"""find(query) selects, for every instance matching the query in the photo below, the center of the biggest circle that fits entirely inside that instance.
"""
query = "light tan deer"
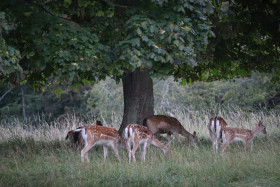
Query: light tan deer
(215, 126)
(161, 124)
(136, 135)
(246, 136)
(100, 135)
(75, 139)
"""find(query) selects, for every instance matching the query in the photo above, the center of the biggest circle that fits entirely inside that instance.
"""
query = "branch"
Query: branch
(116, 5)
(8, 91)
(52, 14)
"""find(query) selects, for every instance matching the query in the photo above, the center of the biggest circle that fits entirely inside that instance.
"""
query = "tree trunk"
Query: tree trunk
(138, 98)
(23, 101)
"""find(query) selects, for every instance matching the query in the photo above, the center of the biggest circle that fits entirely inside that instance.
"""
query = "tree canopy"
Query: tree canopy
(81, 40)
(247, 39)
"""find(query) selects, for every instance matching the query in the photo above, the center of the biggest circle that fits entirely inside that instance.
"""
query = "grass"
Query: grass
(38, 156)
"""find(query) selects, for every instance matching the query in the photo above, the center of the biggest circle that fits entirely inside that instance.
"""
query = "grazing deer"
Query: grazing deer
(100, 135)
(136, 135)
(246, 136)
(215, 126)
(75, 138)
(161, 124)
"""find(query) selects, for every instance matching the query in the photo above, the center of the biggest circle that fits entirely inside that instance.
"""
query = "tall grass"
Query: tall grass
(36, 155)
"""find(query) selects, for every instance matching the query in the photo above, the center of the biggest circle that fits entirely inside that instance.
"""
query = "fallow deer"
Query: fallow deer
(136, 135)
(161, 124)
(215, 126)
(246, 136)
(75, 138)
(100, 135)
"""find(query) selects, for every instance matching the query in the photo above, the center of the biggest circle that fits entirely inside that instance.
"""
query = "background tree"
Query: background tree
(80, 41)
(247, 39)
(87, 40)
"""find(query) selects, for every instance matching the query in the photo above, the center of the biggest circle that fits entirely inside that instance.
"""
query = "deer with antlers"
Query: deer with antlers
(136, 135)
(215, 126)
(161, 124)
(99, 135)
(246, 136)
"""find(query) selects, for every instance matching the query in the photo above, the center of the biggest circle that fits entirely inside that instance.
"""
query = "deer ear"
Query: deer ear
(260, 123)
(194, 133)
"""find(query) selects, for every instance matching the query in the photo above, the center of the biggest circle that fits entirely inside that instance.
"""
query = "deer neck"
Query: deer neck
(158, 143)
(255, 131)
(185, 133)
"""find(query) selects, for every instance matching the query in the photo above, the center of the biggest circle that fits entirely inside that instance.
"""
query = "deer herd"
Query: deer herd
(136, 136)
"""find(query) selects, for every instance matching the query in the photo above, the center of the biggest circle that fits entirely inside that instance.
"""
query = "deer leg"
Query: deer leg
(144, 151)
(84, 152)
(116, 151)
(215, 140)
(251, 146)
(135, 146)
(105, 150)
(224, 146)
(177, 136)
(168, 136)
(128, 149)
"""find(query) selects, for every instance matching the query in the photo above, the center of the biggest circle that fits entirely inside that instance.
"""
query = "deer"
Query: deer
(161, 124)
(99, 135)
(215, 126)
(136, 135)
(245, 135)
(75, 138)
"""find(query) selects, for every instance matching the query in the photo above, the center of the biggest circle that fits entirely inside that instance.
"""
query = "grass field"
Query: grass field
(37, 155)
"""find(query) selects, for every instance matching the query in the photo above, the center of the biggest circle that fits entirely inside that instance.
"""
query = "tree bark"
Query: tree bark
(23, 101)
(138, 98)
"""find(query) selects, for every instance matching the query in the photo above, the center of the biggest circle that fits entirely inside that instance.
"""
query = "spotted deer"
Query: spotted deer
(136, 135)
(161, 124)
(99, 135)
(75, 139)
(215, 126)
(246, 136)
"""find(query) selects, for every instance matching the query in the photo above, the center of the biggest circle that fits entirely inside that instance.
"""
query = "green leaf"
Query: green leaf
(145, 38)
(139, 32)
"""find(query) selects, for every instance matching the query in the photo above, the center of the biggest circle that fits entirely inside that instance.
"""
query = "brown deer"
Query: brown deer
(161, 124)
(136, 135)
(246, 136)
(75, 139)
(215, 126)
(99, 135)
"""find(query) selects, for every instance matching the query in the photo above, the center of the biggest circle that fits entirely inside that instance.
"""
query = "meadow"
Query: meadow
(34, 153)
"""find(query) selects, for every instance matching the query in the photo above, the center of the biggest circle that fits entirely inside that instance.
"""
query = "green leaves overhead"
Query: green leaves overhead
(86, 40)
(166, 35)
(9, 56)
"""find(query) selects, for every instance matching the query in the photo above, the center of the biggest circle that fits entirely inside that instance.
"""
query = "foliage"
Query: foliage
(11, 105)
(81, 41)
(9, 56)
(246, 40)
(106, 97)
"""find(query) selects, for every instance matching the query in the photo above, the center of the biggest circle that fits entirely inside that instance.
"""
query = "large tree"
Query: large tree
(78, 41)
(82, 41)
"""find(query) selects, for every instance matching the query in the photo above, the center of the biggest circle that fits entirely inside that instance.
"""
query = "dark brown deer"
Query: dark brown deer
(75, 139)
(161, 124)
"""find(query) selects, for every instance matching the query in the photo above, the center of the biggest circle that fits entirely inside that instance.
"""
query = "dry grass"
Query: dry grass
(36, 155)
